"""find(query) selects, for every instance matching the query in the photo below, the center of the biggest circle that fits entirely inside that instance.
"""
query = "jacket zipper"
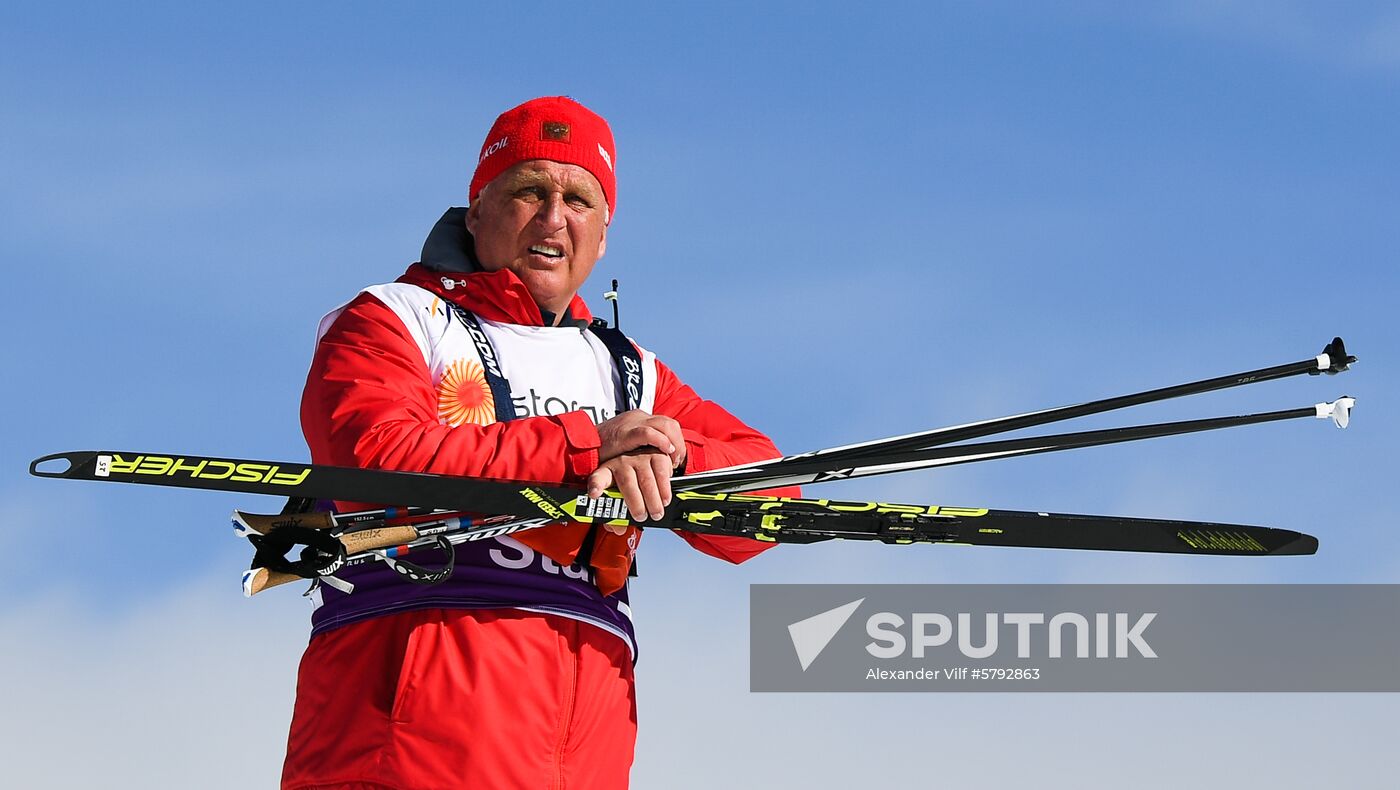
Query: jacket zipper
(570, 700)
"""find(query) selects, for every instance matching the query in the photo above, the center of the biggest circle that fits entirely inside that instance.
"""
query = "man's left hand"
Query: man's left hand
(644, 478)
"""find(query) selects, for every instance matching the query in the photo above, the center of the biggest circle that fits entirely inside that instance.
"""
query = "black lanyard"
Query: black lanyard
(624, 355)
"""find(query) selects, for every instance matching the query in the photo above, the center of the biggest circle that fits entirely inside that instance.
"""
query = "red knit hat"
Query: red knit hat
(556, 128)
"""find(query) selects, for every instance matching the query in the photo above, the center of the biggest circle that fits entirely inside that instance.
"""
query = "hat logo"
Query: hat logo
(493, 148)
(604, 152)
(556, 131)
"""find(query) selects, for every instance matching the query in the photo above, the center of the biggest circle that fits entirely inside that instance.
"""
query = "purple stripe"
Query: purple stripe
(488, 574)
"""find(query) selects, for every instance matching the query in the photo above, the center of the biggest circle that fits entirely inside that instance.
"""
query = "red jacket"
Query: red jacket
(370, 402)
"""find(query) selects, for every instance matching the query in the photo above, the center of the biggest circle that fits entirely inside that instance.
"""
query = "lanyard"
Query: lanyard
(624, 355)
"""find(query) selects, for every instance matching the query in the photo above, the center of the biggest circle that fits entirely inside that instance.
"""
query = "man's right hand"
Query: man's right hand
(635, 430)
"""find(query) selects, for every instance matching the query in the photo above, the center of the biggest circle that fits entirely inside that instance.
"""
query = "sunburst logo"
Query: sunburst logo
(464, 396)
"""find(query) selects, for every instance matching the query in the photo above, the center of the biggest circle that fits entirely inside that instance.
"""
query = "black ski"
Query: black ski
(768, 519)
(782, 520)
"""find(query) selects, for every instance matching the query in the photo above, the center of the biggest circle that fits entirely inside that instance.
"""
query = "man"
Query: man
(482, 360)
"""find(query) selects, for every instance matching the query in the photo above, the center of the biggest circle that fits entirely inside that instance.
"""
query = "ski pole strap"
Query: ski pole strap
(297, 505)
(322, 553)
(420, 575)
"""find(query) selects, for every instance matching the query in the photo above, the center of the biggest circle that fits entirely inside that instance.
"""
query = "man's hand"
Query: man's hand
(636, 430)
(643, 477)
(637, 454)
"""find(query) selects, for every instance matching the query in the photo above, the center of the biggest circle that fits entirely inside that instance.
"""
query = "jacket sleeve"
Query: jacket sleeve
(714, 438)
(369, 402)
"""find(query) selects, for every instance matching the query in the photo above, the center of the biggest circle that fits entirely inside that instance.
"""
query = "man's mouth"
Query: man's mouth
(547, 250)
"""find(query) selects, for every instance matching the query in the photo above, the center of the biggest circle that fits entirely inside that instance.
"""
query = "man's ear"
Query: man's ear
(603, 242)
(474, 215)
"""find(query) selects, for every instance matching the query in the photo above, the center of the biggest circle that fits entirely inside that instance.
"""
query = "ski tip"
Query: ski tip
(1338, 411)
(1302, 545)
(65, 458)
(1334, 358)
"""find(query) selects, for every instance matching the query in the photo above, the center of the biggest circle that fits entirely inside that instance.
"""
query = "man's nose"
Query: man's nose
(551, 212)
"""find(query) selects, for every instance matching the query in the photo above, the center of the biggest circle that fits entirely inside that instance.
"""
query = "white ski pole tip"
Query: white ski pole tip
(1338, 411)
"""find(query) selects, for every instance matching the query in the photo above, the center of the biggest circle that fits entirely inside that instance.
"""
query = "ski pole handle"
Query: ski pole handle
(377, 538)
(259, 579)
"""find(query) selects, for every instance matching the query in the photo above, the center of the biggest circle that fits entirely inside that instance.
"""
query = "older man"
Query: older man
(482, 360)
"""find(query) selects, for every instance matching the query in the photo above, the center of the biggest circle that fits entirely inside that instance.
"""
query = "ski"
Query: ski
(796, 520)
(312, 481)
(441, 492)
(783, 520)
(775, 519)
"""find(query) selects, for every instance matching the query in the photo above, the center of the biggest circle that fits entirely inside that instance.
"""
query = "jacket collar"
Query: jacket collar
(449, 268)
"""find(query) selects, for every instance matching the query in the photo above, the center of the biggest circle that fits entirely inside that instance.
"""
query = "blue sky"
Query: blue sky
(841, 222)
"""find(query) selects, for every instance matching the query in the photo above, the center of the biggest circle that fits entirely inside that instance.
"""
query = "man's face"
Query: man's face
(545, 221)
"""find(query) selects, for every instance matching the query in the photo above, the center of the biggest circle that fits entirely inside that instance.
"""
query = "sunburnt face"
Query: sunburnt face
(547, 222)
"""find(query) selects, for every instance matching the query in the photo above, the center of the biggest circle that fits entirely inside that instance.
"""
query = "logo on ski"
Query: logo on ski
(1218, 541)
(483, 534)
(550, 509)
(201, 469)
(770, 503)
(604, 507)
